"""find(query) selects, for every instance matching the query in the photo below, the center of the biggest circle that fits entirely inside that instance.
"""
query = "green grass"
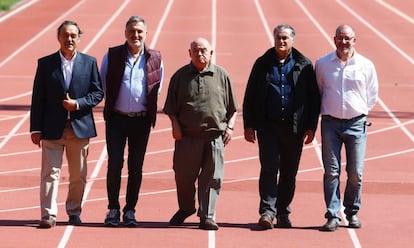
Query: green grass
(6, 4)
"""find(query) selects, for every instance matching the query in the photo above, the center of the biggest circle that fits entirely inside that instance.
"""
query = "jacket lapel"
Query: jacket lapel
(57, 71)
(78, 66)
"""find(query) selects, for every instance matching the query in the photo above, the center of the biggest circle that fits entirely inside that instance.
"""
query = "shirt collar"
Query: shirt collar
(65, 60)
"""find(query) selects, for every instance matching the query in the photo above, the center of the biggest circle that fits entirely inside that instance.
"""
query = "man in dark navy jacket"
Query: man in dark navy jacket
(281, 106)
(66, 87)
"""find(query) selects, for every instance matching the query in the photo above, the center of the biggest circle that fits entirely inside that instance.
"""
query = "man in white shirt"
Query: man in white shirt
(349, 89)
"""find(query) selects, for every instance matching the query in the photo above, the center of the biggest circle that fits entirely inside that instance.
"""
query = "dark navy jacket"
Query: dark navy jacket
(306, 107)
(47, 113)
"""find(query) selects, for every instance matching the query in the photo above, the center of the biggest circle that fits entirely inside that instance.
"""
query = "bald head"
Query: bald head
(344, 41)
(200, 52)
(344, 29)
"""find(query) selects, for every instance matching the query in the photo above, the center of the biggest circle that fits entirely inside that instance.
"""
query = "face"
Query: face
(135, 34)
(344, 41)
(69, 39)
(200, 53)
(283, 41)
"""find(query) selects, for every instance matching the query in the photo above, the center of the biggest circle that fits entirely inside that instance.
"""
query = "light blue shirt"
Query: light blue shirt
(133, 89)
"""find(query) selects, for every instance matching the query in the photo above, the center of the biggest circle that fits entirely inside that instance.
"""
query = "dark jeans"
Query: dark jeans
(279, 152)
(119, 130)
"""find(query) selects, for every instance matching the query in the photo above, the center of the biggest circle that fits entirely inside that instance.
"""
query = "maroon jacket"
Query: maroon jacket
(116, 67)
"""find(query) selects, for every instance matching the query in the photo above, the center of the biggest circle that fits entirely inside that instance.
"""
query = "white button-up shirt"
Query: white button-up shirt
(347, 90)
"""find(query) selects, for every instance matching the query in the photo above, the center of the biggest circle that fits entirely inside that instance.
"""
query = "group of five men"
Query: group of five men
(283, 100)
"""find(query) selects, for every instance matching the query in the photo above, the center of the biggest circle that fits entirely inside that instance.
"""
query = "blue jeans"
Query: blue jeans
(335, 133)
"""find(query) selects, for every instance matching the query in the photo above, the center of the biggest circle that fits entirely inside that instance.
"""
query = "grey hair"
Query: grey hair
(65, 23)
(285, 26)
(134, 19)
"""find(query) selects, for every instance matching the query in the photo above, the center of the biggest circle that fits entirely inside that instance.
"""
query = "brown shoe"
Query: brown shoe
(208, 224)
(266, 221)
(47, 222)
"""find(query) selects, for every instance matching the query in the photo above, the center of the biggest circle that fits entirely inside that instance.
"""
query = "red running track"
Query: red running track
(240, 32)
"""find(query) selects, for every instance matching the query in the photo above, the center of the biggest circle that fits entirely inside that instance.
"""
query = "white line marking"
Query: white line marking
(68, 230)
(15, 97)
(17, 10)
(264, 21)
(378, 33)
(32, 40)
(396, 11)
(161, 23)
(14, 130)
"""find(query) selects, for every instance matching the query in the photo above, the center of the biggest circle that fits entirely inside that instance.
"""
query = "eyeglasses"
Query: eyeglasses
(346, 39)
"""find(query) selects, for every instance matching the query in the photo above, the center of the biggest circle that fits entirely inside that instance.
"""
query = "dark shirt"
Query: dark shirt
(280, 95)
(202, 101)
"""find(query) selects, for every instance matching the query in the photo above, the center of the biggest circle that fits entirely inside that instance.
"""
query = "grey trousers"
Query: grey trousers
(199, 159)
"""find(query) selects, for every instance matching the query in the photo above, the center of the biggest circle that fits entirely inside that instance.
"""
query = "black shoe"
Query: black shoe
(180, 216)
(353, 221)
(129, 219)
(330, 226)
(112, 218)
(266, 221)
(208, 224)
(283, 221)
(74, 220)
(47, 222)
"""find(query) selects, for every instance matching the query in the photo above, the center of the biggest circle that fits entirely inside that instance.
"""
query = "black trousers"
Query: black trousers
(279, 152)
(121, 129)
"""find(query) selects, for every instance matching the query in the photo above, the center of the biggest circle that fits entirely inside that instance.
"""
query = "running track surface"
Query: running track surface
(240, 31)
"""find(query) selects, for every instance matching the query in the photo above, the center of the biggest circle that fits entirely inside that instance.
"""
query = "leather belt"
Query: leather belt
(132, 114)
(338, 119)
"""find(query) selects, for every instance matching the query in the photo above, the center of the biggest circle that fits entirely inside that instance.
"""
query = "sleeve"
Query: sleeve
(372, 87)
(104, 70)
(171, 105)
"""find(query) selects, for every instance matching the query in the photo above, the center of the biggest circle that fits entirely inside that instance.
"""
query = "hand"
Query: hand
(228, 133)
(250, 135)
(176, 131)
(36, 138)
(308, 136)
(69, 104)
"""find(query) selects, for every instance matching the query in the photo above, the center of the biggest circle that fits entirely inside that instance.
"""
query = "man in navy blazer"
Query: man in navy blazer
(66, 87)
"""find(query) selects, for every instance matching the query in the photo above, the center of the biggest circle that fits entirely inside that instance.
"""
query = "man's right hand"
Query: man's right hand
(36, 138)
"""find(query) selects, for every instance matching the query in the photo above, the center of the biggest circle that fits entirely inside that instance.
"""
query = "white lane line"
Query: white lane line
(15, 97)
(17, 10)
(264, 21)
(211, 239)
(41, 33)
(68, 230)
(161, 24)
(377, 32)
(14, 130)
(396, 11)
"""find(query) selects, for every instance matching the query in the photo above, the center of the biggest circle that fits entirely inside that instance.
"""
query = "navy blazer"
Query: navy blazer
(47, 114)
